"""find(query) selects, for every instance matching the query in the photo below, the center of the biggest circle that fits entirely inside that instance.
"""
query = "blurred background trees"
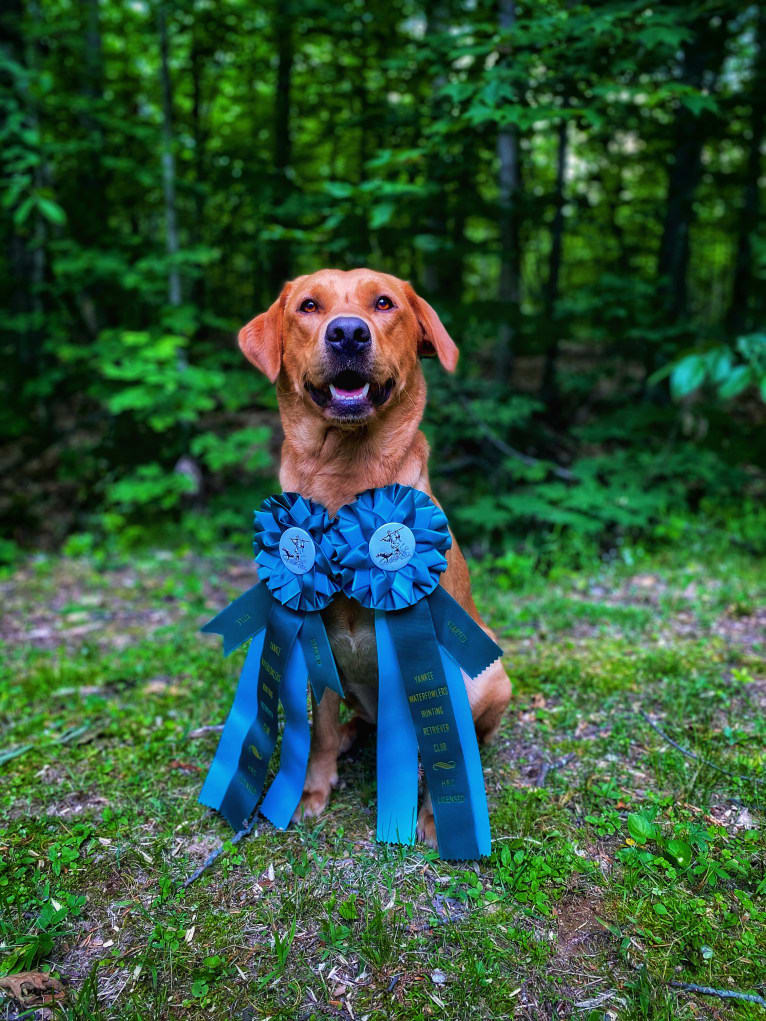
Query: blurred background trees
(575, 187)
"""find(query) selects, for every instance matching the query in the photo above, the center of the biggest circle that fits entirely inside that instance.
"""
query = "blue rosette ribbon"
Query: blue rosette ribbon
(390, 546)
(280, 614)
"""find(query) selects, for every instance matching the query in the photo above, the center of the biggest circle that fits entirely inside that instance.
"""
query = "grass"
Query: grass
(619, 863)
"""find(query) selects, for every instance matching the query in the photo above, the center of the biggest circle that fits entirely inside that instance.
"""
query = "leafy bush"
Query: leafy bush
(720, 369)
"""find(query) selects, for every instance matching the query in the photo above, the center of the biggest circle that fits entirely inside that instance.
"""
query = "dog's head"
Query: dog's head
(346, 344)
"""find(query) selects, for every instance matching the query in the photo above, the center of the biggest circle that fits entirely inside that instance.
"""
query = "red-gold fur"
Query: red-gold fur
(331, 461)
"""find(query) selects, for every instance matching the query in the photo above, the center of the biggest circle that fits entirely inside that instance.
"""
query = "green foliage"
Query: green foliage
(719, 369)
(524, 176)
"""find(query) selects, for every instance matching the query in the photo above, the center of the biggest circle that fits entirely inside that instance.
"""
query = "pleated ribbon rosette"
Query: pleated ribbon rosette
(289, 645)
(390, 546)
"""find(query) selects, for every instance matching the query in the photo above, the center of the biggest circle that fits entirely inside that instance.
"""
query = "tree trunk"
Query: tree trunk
(434, 282)
(739, 318)
(701, 64)
(198, 57)
(284, 19)
(549, 384)
(509, 182)
(168, 165)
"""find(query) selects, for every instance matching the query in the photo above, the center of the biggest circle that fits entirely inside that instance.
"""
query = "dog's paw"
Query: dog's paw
(426, 827)
(312, 804)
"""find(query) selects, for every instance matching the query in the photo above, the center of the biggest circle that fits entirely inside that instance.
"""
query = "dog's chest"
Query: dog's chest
(351, 631)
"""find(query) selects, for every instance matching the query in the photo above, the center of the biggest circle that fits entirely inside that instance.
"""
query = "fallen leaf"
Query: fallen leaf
(33, 988)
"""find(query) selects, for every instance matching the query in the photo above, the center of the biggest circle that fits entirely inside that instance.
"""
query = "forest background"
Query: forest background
(575, 187)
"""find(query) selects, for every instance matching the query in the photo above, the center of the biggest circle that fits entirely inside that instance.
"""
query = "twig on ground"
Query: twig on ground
(724, 994)
(546, 768)
(219, 850)
(692, 755)
(213, 728)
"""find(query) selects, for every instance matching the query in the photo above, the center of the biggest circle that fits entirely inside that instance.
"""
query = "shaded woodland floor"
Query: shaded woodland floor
(620, 865)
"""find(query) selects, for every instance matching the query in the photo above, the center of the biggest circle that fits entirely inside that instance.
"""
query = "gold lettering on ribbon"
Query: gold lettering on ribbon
(423, 696)
(315, 650)
(457, 632)
(428, 675)
(246, 783)
(449, 782)
(441, 746)
(254, 751)
(243, 619)
(277, 676)
(451, 799)
(436, 710)
(275, 648)
(439, 728)
(268, 690)
(266, 729)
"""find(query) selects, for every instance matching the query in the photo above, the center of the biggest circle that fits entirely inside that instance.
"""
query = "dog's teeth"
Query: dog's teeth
(349, 395)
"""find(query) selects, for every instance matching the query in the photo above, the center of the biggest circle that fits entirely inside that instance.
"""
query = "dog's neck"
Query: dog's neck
(332, 464)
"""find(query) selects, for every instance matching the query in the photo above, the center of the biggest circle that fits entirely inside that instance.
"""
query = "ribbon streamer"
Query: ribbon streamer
(390, 545)
(281, 615)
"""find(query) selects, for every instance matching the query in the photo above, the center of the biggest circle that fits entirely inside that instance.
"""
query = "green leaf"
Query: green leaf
(739, 378)
(660, 909)
(51, 210)
(381, 214)
(719, 364)
(688, 375)
(681, 851)
(641, 828)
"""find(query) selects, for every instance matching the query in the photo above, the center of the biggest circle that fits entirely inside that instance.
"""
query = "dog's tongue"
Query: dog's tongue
(349, 395)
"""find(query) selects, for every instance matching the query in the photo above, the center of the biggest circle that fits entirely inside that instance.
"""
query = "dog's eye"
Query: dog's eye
(308, 305)
(384, 303)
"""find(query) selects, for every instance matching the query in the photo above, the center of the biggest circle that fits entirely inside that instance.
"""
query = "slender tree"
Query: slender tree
(509, 194)
(169, 164)
(739, 316)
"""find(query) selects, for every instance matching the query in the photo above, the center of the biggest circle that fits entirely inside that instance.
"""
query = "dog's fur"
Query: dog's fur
(330, 457)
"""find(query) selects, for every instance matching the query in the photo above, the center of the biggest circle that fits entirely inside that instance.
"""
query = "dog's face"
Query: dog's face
(346, 344)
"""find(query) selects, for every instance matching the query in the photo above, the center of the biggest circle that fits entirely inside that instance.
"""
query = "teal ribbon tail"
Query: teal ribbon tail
(242, 713)
(242, 618)
(460, 635)
(445, 734)
(397, 765)
(470, 746)
(245, 783)
(285, 791)
(317, 653)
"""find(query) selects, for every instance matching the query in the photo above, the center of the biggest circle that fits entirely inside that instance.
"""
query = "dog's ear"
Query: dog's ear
(434, 339)
(260, 340)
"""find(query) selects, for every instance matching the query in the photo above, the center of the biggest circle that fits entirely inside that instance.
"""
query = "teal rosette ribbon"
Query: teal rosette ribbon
(390, 546)
(295, 559)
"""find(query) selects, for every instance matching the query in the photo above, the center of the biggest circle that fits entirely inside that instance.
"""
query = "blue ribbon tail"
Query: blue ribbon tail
(470, 747)
(445, 734)
(243, 711)
(460, 635)
(322, 671)
(241, 619)
(243, 785)
(286, 789)
(397, 750)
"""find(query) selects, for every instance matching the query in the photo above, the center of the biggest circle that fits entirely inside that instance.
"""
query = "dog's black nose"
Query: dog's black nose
(348, 335)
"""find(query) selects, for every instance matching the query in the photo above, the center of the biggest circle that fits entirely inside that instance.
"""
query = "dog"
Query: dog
(344, 350)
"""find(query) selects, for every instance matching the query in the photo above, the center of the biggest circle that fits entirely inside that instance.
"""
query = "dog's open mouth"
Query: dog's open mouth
(350, 395)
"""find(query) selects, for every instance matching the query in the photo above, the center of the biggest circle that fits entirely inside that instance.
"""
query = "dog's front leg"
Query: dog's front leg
(322, 773)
